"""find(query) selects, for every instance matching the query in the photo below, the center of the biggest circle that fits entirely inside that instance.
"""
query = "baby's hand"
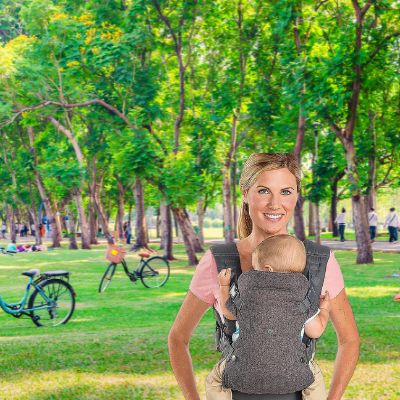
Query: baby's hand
(325, 302)
(224, 277)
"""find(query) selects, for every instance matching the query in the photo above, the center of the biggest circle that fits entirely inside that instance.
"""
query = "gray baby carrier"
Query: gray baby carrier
(271, 309)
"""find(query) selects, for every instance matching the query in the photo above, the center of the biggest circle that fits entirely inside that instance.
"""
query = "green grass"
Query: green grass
(114, 347)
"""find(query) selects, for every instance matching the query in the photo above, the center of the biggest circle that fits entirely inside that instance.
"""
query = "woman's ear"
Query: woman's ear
(244, 198)
(268, 268)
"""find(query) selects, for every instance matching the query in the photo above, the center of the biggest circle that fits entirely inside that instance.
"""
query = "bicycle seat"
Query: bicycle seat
(31, 273)
(144, 254)
(56, 273)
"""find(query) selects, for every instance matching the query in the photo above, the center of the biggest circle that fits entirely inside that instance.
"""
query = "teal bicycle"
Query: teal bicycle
(51, 303)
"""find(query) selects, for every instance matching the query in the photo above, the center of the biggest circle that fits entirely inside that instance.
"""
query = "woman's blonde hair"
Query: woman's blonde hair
(253, 167)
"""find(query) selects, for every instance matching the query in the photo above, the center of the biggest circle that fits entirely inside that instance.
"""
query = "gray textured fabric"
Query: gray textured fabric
(269, 356)
(245, 396)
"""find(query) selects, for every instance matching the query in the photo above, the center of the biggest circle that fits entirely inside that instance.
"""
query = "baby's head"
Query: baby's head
(279, 253)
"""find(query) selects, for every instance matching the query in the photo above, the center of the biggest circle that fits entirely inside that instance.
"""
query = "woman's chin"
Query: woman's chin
(273, 228)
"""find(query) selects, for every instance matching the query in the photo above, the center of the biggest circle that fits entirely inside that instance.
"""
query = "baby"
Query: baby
(276, 254)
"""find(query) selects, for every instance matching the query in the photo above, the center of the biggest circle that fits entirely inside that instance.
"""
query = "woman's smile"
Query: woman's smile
(273, 217)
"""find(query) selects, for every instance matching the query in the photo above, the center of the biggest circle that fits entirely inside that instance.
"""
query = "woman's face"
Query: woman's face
(272, 200)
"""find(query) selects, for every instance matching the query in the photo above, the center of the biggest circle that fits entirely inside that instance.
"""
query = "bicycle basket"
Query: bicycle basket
(115, 254)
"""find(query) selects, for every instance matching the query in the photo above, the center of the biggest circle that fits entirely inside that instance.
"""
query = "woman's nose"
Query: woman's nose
(274, 202)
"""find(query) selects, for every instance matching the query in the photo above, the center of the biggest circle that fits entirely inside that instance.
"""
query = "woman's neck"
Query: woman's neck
(257, 236)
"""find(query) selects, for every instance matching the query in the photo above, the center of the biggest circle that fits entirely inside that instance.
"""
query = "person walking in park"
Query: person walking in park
(42, 230)
(270, 185)
(3, 230)
(128, 232)
(373, 224)
(392, 222)
(341, 221)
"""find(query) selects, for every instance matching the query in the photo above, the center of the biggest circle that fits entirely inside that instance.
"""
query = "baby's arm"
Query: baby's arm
(224, 280)
(315, 328)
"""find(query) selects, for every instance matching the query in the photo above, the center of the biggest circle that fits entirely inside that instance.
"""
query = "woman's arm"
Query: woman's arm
(224, 280)
(348, 345)
(187, 319)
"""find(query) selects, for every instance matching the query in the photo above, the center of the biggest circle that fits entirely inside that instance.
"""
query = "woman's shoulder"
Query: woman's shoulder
(204, 284)
(333, 282)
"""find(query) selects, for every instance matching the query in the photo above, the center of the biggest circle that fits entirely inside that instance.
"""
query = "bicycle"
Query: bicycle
(51, 303)
(153, 273)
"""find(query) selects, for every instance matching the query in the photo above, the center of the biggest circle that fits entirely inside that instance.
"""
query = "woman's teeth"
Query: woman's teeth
(273, 217)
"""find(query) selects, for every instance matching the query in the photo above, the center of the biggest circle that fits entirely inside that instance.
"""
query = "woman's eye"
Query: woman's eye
(286, 192)
(263, 191)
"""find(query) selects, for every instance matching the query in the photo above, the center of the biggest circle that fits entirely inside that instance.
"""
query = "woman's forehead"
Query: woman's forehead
(281, 177)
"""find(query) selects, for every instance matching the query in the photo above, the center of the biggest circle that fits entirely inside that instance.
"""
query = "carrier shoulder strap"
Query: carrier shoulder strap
(317, 260)
(226, 256)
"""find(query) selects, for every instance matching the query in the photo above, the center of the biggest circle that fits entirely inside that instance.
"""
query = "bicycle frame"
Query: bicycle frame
(17, 308)
(134, 275)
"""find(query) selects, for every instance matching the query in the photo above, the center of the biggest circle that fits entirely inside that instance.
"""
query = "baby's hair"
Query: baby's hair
(284, 253)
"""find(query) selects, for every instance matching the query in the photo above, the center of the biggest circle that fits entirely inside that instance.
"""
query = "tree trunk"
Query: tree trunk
(71, 235)
(140, 228)
(234, 200)
(85, 235)
(188, 234)
(121, 209)
(298, 219)
(176, 228)
(166, 230)
(56, 237)
(360, 219)
(317, 225)
(38, 239)
(227, 208)
(158, 222)
(200, 218)
(100, 211)
(301, 122)
(58, 221)
(93, 227)
(13, 228)
(372, 179)
(334, 200)
(34, 216)
(311, 219)
(333, 212)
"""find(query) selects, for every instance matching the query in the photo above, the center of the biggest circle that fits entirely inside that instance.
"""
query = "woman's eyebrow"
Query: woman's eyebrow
(289, 187)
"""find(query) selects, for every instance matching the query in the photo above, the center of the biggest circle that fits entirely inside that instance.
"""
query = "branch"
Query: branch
(168, 23)
(100, 102)
(158, 140)
(380, 45)
(367, 5)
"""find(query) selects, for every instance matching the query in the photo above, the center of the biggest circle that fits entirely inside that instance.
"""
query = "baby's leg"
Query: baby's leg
(316, 391)
(214, 388)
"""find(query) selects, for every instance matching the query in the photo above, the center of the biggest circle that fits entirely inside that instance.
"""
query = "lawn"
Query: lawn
(114, 347)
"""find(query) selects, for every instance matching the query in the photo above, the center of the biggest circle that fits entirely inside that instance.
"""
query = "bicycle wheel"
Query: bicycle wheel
(59, 309)
(106, 279)
(154, 272)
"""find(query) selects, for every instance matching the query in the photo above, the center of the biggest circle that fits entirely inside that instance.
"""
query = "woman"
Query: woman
(270, 184)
